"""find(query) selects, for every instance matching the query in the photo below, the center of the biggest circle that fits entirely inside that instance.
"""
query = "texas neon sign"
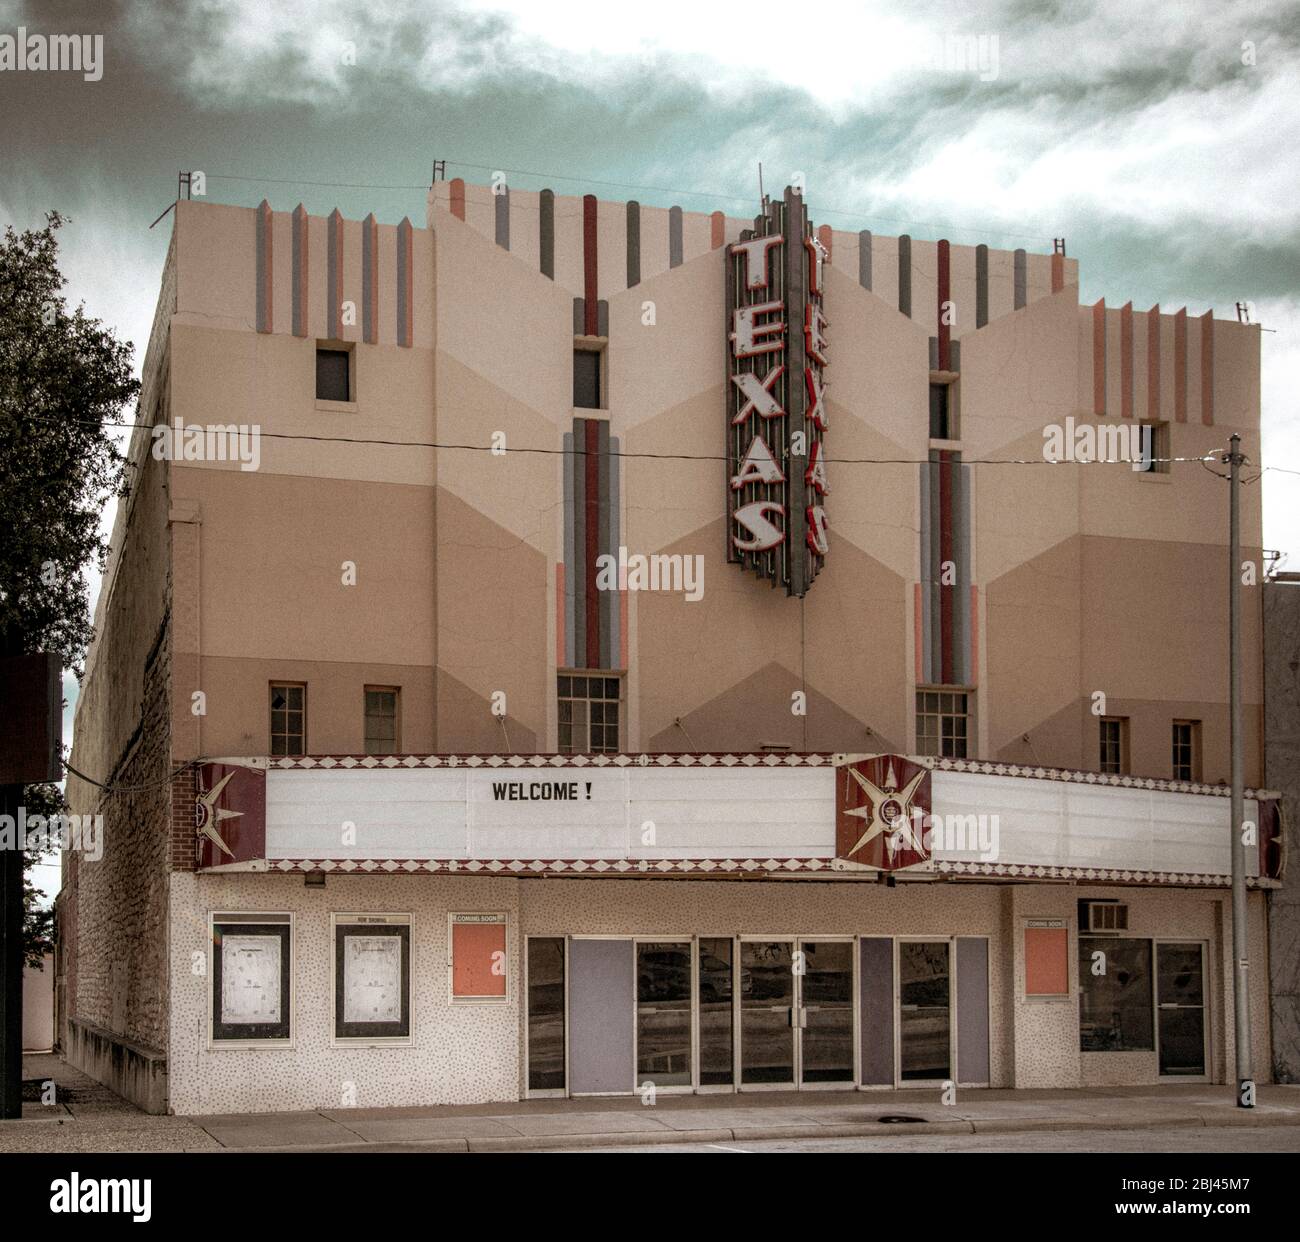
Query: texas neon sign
(776, 377)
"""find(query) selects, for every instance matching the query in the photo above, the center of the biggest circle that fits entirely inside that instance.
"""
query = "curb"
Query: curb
(865, 1129)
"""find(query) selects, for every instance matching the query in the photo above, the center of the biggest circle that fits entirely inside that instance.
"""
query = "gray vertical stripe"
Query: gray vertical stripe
(332, 291)
(864, 258)
(546, 231)
(602, 1001)
(260, 224)
(607, 598)
(972, 1009)
(1021, 281)
(905, 275)
(936, 570)
(579, 317)
(876, 985)
(934, 353)
(602, 317)
(981, 285)
(926, 587)
(403, 257)
(368, 260)
(616, 654)
(633, 243)
(961, 551)
(674, 237)
(299, 248)
(570, 559)
(580, 542)
(954, 359)
(502, 202)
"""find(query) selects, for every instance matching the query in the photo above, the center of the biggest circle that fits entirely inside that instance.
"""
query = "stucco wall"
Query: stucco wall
(465, 1053)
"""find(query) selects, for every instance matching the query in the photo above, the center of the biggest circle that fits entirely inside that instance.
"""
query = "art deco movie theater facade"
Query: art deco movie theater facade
(415, 800)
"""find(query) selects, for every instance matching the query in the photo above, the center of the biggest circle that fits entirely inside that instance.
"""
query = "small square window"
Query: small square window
(589, 714)
(382, 719)
(333, 375)
(1113, 756)
(288, 719)
(943, 724)
(1154, 453)
(586, 379)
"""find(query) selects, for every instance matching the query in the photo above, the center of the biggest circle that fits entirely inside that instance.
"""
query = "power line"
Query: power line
(582, 452)
(711, 195)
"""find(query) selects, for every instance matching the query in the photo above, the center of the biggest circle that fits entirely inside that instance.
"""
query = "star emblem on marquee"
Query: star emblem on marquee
(208, 815)
(888, 811)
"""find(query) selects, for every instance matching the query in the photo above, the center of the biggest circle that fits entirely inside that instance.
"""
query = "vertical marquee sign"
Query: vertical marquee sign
(776, 413)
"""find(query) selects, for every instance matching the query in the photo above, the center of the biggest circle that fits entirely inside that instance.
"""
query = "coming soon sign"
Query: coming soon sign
(776, 411)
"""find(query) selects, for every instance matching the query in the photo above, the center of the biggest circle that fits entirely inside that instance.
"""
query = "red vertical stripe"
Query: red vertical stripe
(458, 198)
(1058, 272)
(265, 218)
(589, 286)
(591, 498)
(945, 295)
(717, 229)
(946, 558)
(918, 630)
(1180, 365)
(1207, 368)
(825, 235)
(1099, 357)
(1153, 361)
(1126, 360)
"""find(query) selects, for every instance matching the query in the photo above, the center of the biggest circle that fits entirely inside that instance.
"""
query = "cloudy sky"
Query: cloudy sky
(1159, 139)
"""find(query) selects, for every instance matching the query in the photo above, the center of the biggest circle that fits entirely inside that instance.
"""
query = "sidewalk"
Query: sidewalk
(676, 1119)
(89, 1117)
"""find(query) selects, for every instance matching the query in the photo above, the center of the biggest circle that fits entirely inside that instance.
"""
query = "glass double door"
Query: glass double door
(796, 1012)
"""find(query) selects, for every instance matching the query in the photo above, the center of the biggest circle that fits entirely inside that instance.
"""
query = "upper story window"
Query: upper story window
(383, 732)
(589, 714)
(1113, 757)
(1187, 750)
(333, 374)
(288, 718)
(943, 723)
(1154, 454)
(586, 379)
(943, 420)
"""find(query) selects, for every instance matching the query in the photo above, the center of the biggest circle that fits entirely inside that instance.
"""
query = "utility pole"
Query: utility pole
(1240, 950)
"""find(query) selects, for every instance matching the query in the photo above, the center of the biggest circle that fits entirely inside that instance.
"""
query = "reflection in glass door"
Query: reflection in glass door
(826, 998)
(715, 987)
(663, 1013)
(1180, 997)
(766, 1032)
(546, 1013)
(924, 1015)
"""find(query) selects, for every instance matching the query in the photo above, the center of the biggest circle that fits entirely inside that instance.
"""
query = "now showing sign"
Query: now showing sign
(776, 411)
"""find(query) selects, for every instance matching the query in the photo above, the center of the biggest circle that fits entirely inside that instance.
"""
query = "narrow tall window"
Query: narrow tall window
(586, 379)
(1154, 453)
(1187, 750)
(383, 735)
(288, 718)
(588, 714)
(1113, 756)
(333, 375)
(941, 412)
(943, 723)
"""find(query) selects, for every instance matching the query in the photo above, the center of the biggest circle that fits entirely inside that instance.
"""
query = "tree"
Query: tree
(64, 380)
